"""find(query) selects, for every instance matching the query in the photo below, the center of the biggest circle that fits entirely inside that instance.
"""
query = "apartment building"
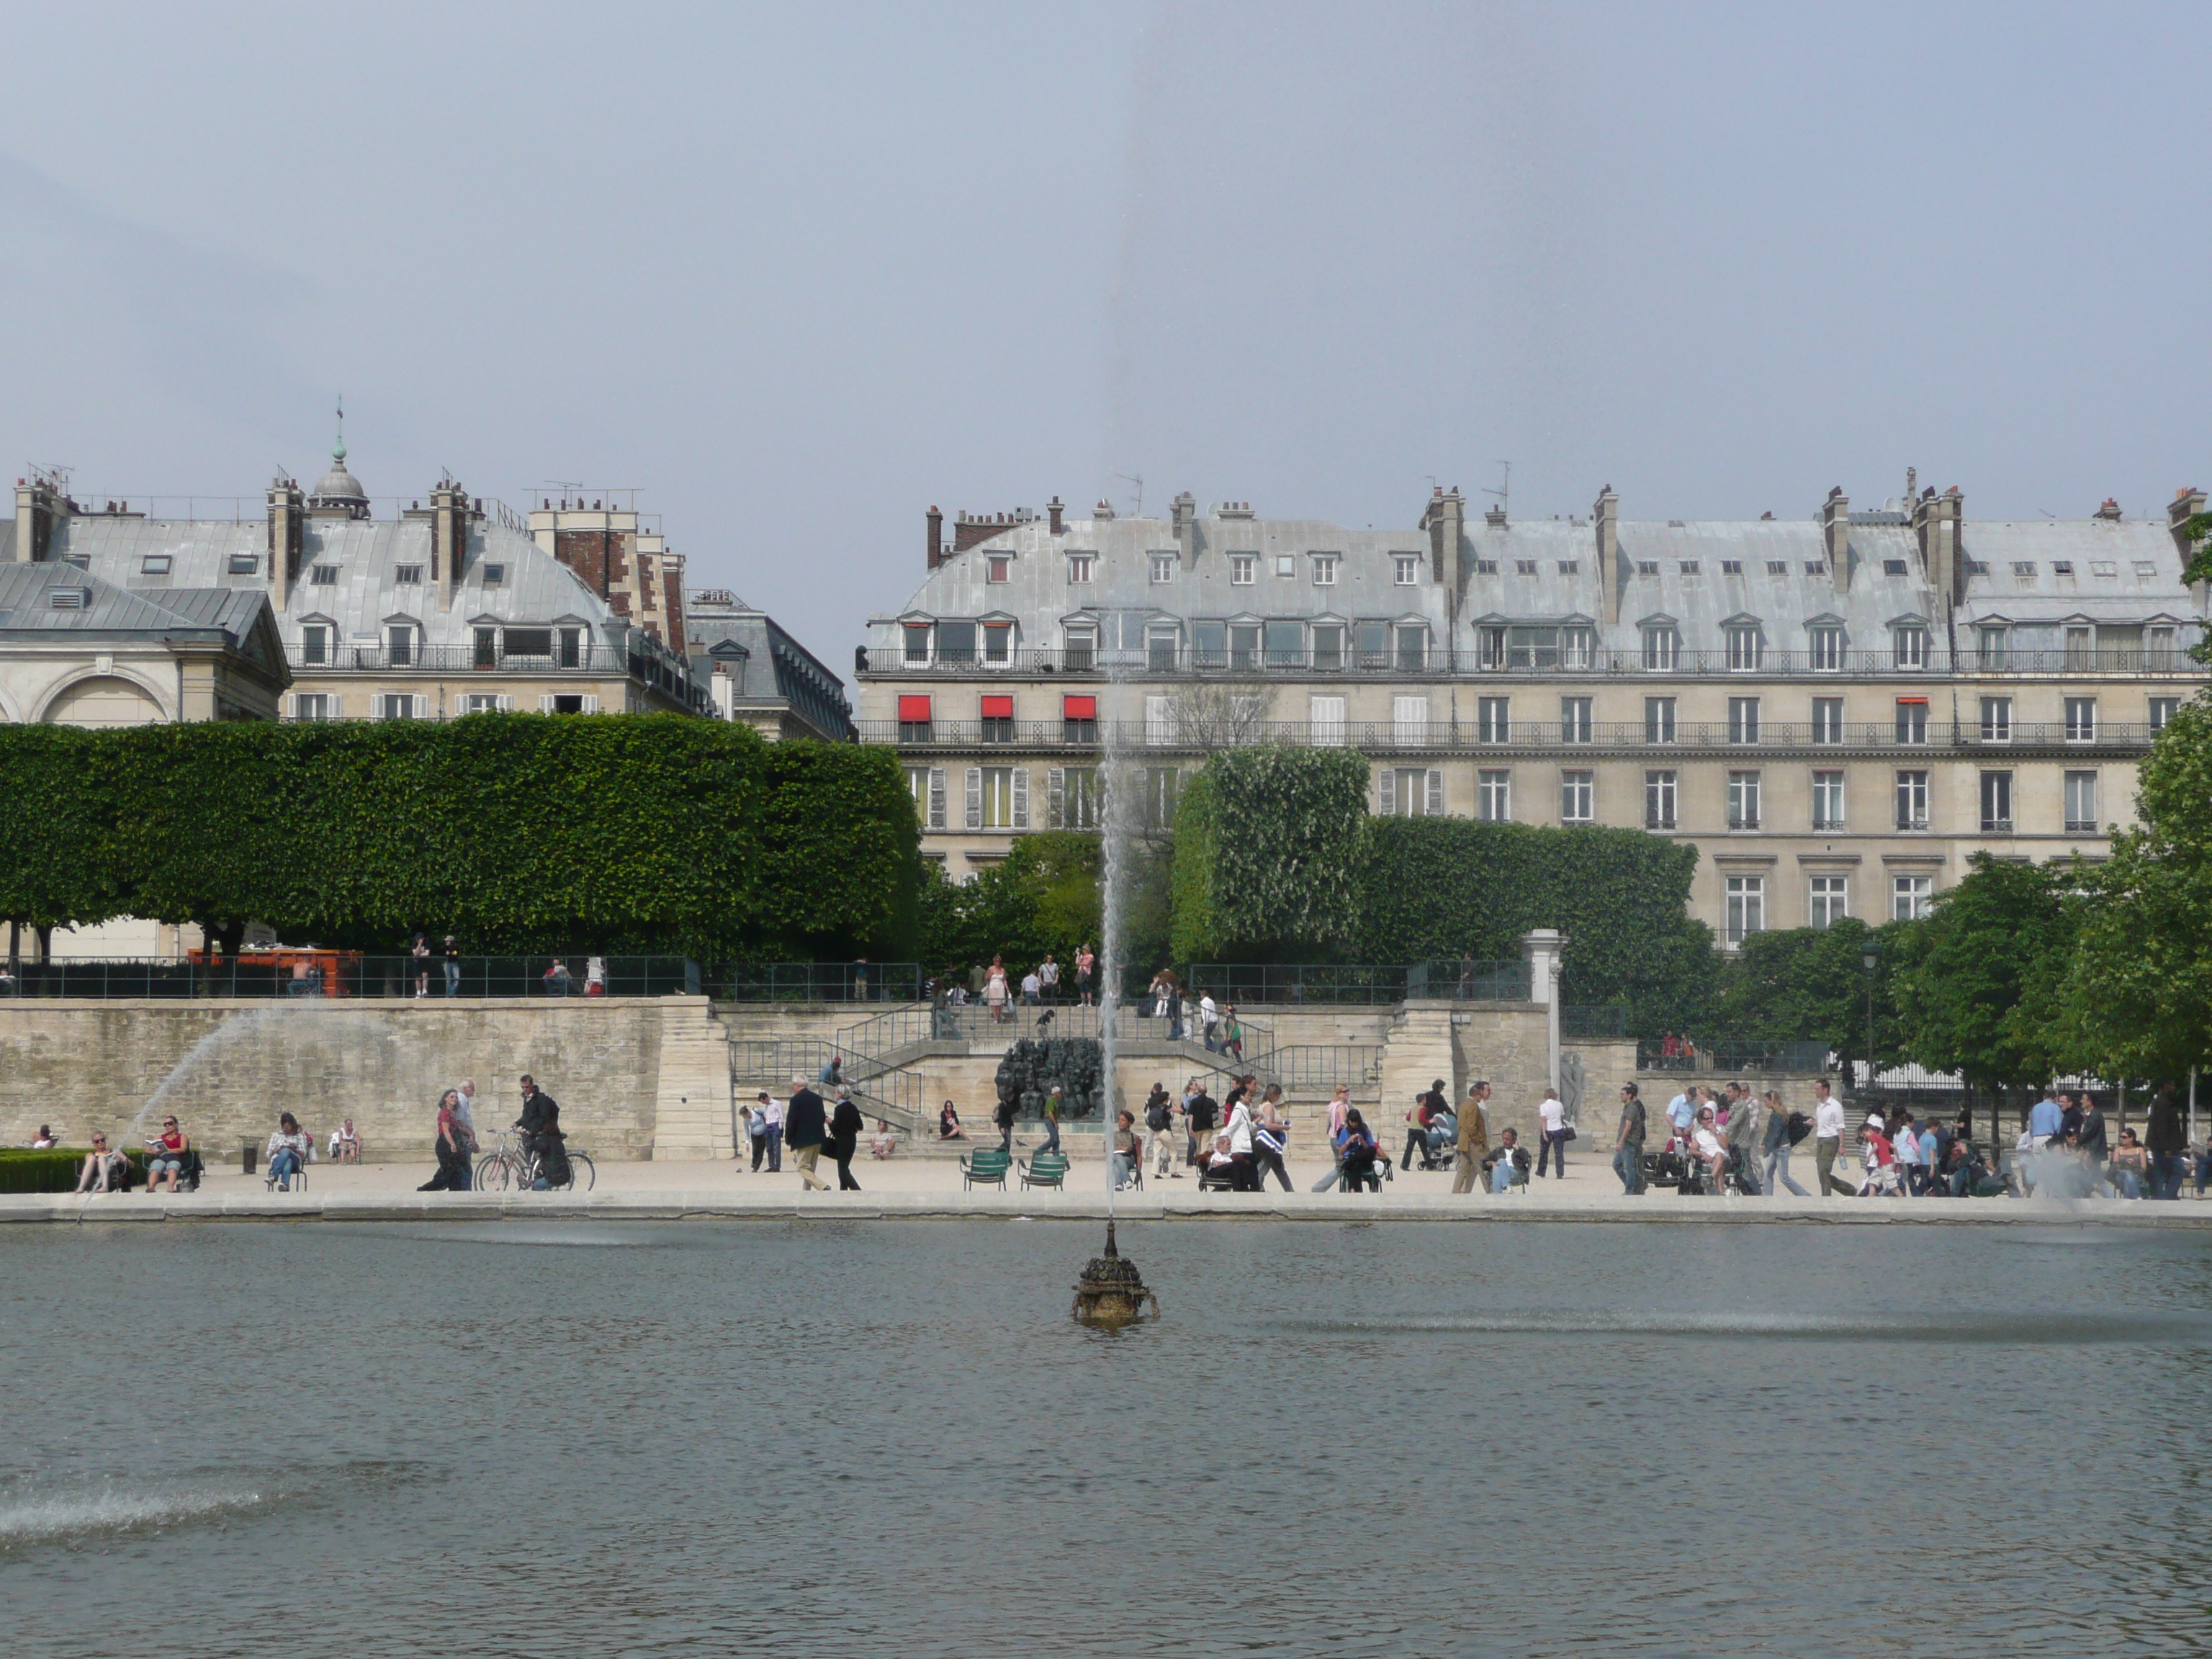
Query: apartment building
(1837, 710)
(757, 673)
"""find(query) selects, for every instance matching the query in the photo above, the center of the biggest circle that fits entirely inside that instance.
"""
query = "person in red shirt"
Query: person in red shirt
(1881, 1158)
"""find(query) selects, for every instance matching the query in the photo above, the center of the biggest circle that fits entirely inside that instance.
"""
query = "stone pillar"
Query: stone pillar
(1543, 947)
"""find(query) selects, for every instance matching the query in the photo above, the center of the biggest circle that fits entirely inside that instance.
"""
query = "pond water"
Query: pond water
(872, 1438)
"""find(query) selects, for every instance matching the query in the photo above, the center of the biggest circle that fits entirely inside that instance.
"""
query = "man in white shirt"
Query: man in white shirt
(465, 1112)
(1209, 1022)
(1827, 1142)
(1048, 978)
(772, 1110)
(1681, 1111)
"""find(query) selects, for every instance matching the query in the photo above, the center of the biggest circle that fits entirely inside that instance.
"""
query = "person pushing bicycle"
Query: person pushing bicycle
(540, 1126)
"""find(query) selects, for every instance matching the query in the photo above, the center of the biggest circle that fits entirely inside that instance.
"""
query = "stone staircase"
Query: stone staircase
(692, 1116)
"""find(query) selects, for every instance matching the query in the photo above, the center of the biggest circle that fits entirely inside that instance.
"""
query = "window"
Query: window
(1912, 720)
(248, 564)
(1778, 567)
(1658, 800)
(1485, 567)
(1689, 567)
(1909, 646)
(1992, 642)
(1412, 646)
(1816, 567)
(998, 644)
(1162, 785)
(1080, 654)
(323, 575)
(1408, 567)
(1568, 567)
(1324, 569)
(1491, 722)
(1830, 900)
(1910, 897)
(1731, 567)
(315, 645)
(1163, 566)
(917, 642)
(1244, 646)
(529, 642)
(2081, 720)
(399, 642)
(927, 785)
(1286, 564)
(1744, 647)
(2023, 569)
(2060, 567)
(1082, 569)
(1328, 645)
(2081, 646)
(1893, 567)
(1160, 650)
(1662, 647)
(2162, 710)
(494, 575)
(1996, 720)
(1324, 721)
(2158, 647)
(2146, 571)
(2081, 802)
(1578, 797)
(1827, 720)
(1912, 800)
(153, 564)
(1074, 800)
(2104, 567)
(484, 702)
(1160, 722)
(1743, 800)
(1409, 722)
(1647, 567)
(1286, 646)
(1411, 792)
(572, 647)
(999, 568)
(1244, 569)
(406, 575)
(311, 706)
(914, 720)
(1658, 719)
(395, 705)
(956, 642)
(486, 652)
(1489, 647)
(1828, 657)
(1743, 720)
(1574, 719)
(1997, 803)
(1493, 797)
(1977, 567)
(1524, 566)
(1078, 720)
(1747, 907)
(1828, 801)
(998, 798)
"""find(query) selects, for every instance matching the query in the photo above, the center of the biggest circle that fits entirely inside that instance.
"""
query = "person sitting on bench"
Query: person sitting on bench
(166, 1154)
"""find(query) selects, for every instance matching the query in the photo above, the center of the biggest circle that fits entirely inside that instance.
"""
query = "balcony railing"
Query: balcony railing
(456, 659)
(1383, 736)
(1184, 661)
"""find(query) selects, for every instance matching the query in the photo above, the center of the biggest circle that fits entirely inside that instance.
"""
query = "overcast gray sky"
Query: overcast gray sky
(797, 272)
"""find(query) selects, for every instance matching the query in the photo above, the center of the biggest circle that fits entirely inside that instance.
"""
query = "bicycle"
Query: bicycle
(507, 1167)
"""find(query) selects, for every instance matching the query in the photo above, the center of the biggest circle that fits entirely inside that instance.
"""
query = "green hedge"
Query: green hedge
(1267, 851)
(627, 834)
(57, 1171)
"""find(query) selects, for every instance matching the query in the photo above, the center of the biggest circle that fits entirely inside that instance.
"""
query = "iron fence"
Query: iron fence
(311, 974)
(817, 981)
(1300, 982)
(1466, 980)
(1303, 1067)
(1736, 1055)
(1590, 1021)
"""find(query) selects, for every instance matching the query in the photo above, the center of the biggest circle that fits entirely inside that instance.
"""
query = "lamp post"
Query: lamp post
(1870, 955)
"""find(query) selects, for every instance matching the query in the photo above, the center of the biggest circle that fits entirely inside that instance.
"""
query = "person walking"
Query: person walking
(774, 1111)
(1270, 1138)
(1339, 1111)
(465, 1114)
(1553, 1113)
(1628, 1154)
(1159, 1128)
(845, 1125)
(1052, 1103)
(1175, 1012)
(756, 1129)
(452, 1148)
(1209, 1021)
(805, 1126)
(994, 992)
(1472, 1144)
(2164, 1137)
(2091, 1138)
(1774, 1142)
(1828, 1141)
(1004, 1117)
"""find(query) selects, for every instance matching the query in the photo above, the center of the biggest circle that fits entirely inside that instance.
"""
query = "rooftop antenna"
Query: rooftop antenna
(1134, 478)
(1505, 488)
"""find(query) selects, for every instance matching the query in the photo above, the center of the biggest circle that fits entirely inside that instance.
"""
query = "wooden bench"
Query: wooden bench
(1045, 1169)
(985, 1165)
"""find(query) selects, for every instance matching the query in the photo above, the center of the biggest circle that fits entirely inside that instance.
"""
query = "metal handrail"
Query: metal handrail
(1470, 736)
(1185, 661)
(348, 975)
(382, 659)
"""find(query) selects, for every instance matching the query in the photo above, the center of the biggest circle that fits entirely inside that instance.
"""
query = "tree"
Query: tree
(1043, 897)
(1809, 984)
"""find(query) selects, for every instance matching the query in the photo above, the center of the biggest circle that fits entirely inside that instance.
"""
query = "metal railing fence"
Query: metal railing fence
(815, 981)
(312, 974)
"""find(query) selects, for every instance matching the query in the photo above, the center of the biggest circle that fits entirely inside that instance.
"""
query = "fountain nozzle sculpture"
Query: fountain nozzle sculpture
(1110, 1292)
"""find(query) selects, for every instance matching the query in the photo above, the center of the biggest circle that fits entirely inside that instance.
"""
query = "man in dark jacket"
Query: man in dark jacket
(2165, 1138)
(805, 1126)
(845, 1127)
(1199, 1119)
(540, 1126)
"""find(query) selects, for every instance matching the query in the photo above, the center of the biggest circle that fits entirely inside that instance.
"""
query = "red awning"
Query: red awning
(1918, 700)
(914, 708)
(998, 708)
(1080, 708)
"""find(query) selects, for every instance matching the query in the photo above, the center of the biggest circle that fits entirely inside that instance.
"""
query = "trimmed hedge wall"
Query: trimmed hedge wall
(626, 834)
(55, 1170)
(1267, 850)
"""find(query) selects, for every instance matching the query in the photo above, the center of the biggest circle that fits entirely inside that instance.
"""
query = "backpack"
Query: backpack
(1155, 1112)
(1800, 1126)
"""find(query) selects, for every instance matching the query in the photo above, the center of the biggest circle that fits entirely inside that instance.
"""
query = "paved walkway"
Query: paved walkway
(930, 1187)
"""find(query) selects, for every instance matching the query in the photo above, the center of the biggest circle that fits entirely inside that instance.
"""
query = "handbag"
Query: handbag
(1567, 1134)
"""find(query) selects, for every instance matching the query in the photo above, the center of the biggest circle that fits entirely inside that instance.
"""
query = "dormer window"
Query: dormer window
(1082, 568)
(1745, 647)
(1324, 569)
(2059, 567)
(1688, 567)
(1827, 642)
(1778, 567)
(1163, 566)
(1662, 646)
(917, 643)
(1910, 645)
(1568, 567)
(315, 645)
(399, 644)
(407, 575)
(1731, 567)
(999, 568)
(998, 644)
(1244, 568)
(493, 574)
(1485, 567)
(1524, 566)
(1647, 567)
(1408, 568)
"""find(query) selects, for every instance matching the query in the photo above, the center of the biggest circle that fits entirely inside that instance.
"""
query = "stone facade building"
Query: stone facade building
(1836, 711)
(759, 674)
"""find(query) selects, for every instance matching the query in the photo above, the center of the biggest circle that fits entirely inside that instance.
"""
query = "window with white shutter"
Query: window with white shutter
(1409, 720)
(936, 798)
(1436, 792)
(1159, 721)
(1021, 798)
(1325, 716)
(975, 798)
(1386, 787)
(1055, 797)
(545, 702)
(591, 703)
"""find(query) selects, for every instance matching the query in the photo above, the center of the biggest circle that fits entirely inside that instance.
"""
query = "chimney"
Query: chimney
(1836, 532)
(2186, 504)
(2110, 511)
(39, 505)
(1445, 520)
(1605, 525)
(1185, 515)
(449, 539)
(1939, 521)
(1052, 510)
(1104, 510)
(288, 524)
(936, 539)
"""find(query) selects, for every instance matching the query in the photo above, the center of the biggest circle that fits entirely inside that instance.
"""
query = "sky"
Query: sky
(796, 273)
